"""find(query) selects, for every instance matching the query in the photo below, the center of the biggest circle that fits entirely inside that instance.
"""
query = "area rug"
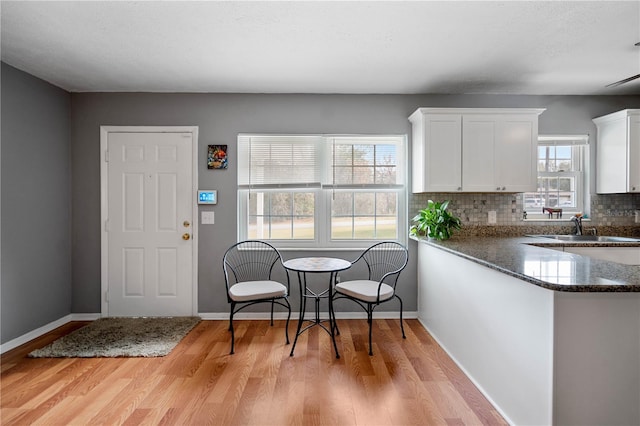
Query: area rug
(121, 337)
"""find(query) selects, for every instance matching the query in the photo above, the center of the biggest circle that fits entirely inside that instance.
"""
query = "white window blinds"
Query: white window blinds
(314, 161)
(279, 161)
(563, 140)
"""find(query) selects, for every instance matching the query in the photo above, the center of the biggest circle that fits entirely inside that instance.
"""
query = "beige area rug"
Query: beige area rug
(121, 337)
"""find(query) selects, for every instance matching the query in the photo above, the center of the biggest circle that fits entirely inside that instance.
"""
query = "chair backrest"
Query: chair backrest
(250, 260)
(385, 260)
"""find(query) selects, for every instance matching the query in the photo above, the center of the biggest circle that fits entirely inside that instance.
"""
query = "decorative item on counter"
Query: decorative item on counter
(551, 210)
(524, 215)
(435, 221)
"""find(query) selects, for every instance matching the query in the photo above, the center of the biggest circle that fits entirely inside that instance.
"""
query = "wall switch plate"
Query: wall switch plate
(492, 216)
(207, 218)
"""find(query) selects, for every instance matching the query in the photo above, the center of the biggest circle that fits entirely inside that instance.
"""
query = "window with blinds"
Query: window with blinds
(321, 190)
(269, 162)
(562, 164)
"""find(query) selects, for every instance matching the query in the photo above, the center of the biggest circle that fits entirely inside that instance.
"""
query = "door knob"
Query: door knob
(186, 236)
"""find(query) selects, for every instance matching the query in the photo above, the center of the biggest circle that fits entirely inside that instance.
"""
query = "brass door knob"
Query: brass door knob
(186, 236)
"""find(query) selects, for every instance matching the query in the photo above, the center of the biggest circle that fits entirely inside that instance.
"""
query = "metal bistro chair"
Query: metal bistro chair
(385, 261)
(247, 273)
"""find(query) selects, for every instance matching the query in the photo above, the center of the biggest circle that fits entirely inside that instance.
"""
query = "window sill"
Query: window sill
(321, 249)
(566, 218)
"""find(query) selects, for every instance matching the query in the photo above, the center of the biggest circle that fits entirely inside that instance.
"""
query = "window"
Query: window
(321, 191)
(562, 162)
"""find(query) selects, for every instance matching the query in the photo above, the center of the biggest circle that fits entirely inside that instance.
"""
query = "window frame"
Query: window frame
(580, 157)
(324, 194)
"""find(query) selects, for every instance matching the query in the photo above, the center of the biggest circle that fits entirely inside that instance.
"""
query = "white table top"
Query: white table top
(317, 264)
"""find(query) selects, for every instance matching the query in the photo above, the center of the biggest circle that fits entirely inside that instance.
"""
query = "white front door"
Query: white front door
(149, 221)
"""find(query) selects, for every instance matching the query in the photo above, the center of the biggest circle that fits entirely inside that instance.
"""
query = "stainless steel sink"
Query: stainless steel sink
(597, 238)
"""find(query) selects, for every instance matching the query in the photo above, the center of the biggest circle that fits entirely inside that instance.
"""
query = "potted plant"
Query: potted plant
(435, 221)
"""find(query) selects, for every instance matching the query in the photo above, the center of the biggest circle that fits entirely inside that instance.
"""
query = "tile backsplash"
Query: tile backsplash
(608, 210)
(615, 209)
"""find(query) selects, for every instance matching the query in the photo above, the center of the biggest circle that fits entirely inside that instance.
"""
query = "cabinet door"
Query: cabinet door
(516, 153)
(611, 176)
(437, 153)
(478, 153)
(499, 153)
(633, 155)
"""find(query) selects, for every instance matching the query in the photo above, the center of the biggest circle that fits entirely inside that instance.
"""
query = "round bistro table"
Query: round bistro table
(313, 265)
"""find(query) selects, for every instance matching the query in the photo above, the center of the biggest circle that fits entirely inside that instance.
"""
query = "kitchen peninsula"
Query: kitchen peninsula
(549, 336)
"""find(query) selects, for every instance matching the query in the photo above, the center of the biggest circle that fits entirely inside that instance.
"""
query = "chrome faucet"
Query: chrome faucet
(577, 221)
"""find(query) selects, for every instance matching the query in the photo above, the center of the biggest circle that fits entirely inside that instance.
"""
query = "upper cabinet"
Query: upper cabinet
(474, 149)
(618, 152)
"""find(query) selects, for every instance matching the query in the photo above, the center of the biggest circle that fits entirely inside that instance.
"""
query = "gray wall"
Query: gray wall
(51, 258)
(36, 204)
(221, 117)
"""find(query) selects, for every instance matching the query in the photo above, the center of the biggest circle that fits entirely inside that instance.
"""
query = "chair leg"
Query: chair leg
(332, 314)
(370, 321)
(401, 324)
(233, 305)
(273, 302)
(286, 329)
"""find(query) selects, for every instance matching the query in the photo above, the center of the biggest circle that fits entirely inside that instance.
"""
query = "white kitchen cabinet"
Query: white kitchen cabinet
(436, 152)
(474, 149)
(624, 255)
(618, 152)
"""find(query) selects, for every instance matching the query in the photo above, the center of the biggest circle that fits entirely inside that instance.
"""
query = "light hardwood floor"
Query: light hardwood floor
(406, 382)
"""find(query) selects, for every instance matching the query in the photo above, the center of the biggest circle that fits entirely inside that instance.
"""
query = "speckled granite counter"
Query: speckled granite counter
(530, 259)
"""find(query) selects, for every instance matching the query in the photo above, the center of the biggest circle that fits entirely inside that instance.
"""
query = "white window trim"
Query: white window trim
(582, 180)
(322, 214)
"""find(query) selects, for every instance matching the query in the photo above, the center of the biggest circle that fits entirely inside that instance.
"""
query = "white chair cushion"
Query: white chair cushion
(254, 290)
(365, 290)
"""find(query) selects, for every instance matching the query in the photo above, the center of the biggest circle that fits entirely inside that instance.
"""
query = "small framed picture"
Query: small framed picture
(217, 157)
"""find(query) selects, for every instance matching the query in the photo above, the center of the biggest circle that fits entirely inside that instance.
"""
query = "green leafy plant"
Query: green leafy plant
(435, 221)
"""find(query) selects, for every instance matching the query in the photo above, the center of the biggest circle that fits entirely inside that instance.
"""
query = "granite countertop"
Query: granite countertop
(529, 259)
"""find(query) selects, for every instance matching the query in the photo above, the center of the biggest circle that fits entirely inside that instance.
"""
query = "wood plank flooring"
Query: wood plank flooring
(406, 382)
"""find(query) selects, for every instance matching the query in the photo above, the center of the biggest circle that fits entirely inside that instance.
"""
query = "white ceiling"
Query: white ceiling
(508, 47)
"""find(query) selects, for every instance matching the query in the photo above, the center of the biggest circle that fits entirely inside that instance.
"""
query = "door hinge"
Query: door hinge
(106, 225)
(106, 296)
(106, 156)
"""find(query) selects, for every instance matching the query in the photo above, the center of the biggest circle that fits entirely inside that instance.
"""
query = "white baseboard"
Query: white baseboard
(296, 315)
(34, 334)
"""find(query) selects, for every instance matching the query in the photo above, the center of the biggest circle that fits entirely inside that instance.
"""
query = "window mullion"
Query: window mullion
(353, 215)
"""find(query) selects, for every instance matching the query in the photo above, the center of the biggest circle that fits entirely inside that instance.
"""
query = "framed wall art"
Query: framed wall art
(217, 157)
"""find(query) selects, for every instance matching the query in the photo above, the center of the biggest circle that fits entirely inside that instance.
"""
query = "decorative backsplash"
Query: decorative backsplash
(615, 209)
(607, 210)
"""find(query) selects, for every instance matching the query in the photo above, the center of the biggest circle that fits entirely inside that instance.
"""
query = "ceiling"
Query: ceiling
(413, 47)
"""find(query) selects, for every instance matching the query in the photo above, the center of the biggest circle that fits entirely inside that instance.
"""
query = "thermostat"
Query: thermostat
(209, 196)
